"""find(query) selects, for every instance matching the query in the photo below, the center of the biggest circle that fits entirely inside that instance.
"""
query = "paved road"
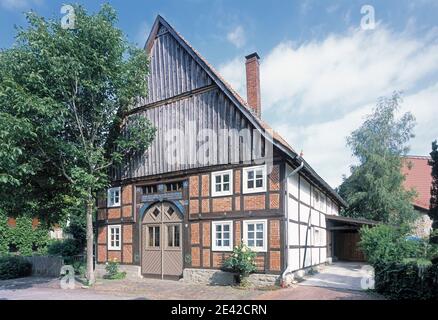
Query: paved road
(340, 275)
(338, 281)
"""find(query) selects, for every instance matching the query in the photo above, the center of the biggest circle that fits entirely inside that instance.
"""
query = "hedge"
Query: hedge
(407, 281)
(14, 267)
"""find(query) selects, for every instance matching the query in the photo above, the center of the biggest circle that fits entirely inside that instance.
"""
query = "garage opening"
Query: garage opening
(343, 238)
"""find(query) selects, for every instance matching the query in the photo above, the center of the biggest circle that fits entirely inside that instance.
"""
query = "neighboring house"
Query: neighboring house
(418, 175)
(55, 233)
(214, 176)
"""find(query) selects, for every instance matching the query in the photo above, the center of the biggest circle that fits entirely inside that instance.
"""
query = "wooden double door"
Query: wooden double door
(162, 246)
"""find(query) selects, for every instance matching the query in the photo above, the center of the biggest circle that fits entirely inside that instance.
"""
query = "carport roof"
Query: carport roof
(352, 220)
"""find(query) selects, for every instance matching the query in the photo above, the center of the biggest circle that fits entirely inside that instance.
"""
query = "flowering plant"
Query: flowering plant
(241, 261)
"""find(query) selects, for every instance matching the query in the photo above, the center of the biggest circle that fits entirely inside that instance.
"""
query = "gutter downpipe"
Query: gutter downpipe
(298, 169)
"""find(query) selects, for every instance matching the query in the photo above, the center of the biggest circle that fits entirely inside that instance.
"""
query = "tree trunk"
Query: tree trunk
(90, 241)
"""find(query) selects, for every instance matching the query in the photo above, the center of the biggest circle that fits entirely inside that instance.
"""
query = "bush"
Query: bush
(242, 262)
(14, 267)
(112, 269)
(387, 244)
(402, 265)
(411, 280)
(64, 248)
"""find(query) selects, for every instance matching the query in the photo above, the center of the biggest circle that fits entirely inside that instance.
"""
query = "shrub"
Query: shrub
(64, 248)
(242, 262)
(14, 267)
(387, 244)
(112, 269)
(412, 280)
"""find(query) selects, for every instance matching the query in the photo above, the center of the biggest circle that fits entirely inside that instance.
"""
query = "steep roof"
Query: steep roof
(243, 106)
(418, 175)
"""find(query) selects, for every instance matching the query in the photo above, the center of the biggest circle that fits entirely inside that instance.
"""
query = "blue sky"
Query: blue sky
(320, 72)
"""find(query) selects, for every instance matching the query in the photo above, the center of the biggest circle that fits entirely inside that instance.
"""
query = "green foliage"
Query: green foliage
(77, 228)
(69, 91)
(112, 269)
(433, 212)
(27, 239)
(14, 267)
(65, 248)
(402, 267)
(387, 244)
(411, 280)
(374, 190)
(241, 261)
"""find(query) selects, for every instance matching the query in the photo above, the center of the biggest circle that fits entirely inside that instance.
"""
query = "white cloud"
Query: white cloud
(326, 87)
(19, 4)
(237, 37)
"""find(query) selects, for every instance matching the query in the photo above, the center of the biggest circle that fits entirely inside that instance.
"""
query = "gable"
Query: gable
(179, 75)
(172, 71)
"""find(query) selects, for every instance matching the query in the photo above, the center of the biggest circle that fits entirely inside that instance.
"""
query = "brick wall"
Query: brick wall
(222, 204)
(251, 203)
(202, 205)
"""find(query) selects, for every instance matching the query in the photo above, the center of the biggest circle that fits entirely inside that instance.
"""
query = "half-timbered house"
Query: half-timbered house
(215, 175)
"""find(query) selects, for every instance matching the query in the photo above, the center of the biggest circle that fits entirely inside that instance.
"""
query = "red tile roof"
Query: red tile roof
(418, 175)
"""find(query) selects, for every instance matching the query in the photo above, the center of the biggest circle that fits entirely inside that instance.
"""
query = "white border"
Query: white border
(245, 180)
(119, 247)
(265, 234)
(213, 236)
(213, 183)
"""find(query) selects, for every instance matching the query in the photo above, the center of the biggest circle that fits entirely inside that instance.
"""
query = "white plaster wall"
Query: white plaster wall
(323, 253)
(308, 258)
(304, 191)
(315, 256)
(293, 234)
(294, 259)
(322, 206)
(323, 223)
(293, 209)
(292, 184)
(303, 232)
(315, 218)
(304, 213)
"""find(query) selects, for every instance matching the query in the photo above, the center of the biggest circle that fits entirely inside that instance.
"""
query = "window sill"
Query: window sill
(254, 191)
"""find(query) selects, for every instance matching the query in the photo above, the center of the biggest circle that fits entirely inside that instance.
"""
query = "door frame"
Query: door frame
(163, 234)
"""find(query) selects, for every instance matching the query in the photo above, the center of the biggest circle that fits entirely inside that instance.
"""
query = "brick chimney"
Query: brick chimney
(253, 82)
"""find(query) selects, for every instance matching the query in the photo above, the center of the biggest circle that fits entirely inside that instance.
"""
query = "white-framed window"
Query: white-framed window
(255, 234)
(114, 197)
(222, 235)
(222, 183)
(114, 237)
(254, 179)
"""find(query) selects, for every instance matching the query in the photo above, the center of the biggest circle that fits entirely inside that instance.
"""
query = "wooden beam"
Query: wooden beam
(344, 228)
(178, 97)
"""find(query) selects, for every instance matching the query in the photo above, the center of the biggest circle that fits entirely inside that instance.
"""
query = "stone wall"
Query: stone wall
(221, 278)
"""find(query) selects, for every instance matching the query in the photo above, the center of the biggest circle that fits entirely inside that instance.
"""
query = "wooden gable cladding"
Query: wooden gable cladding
(198, 131)
(172, 71)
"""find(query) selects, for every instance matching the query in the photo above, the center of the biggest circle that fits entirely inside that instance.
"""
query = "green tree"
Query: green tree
(73, 87)
(374, 190)
(433, 212)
